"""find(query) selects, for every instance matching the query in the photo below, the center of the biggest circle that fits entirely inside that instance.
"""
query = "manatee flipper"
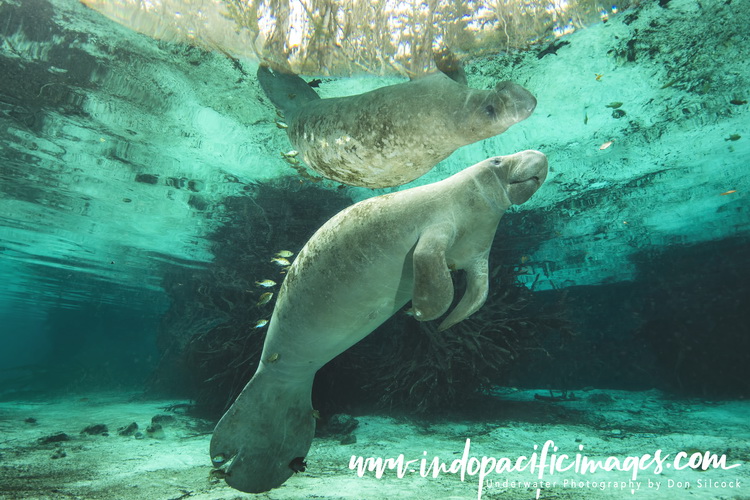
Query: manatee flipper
(433, 286)
(268, 427)
(448, 63)
(477, 288)
(287, 91)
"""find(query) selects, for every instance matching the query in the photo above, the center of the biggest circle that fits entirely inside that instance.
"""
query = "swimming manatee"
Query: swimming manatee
(392, 135)
(356, 271)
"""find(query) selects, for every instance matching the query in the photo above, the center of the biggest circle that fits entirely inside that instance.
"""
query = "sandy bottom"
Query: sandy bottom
(173, 463)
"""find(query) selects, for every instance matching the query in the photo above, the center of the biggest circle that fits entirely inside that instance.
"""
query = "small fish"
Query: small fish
(282, 125)
(266, 283)
(728, 192)
(261, 323)
(613, 105)
(733, 137)
(265, 298)
(605, 145)
(217, 474)
(409, 311)
(599, 76)
(586, 119)
(280, 261)
(273, 357)
(284, 253)
(738, 102)
(525, 259)
(290, 154)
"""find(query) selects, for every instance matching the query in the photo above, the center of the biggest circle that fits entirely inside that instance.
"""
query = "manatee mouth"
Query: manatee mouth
(532, 169)
(516, 98)
(533, 178)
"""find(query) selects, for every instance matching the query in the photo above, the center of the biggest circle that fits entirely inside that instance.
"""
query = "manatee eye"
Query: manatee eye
(496, 162)
(490, 110)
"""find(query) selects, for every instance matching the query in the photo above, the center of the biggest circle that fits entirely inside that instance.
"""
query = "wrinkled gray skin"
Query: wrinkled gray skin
(391, 135)
(356, 271)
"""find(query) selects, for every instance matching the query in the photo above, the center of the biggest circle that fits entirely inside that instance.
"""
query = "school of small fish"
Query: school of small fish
(281, 258)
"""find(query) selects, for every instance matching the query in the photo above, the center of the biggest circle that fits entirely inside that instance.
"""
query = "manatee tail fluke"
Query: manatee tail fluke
(263, 438)
(287, 91)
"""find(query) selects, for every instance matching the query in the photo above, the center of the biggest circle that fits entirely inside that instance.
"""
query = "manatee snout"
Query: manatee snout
(518, 102)
(526, 175)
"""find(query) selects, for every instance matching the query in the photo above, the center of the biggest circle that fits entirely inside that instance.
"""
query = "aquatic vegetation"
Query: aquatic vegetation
(418, 369)
(211, 337)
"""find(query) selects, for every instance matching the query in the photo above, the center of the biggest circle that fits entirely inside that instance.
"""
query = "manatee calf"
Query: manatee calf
(356, 271)
(391, 135)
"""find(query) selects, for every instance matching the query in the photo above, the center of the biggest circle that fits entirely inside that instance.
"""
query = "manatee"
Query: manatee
(356, 271)
(394, 134)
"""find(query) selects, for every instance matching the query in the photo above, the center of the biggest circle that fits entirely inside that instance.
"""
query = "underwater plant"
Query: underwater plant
(420, 369)
(211, 336)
